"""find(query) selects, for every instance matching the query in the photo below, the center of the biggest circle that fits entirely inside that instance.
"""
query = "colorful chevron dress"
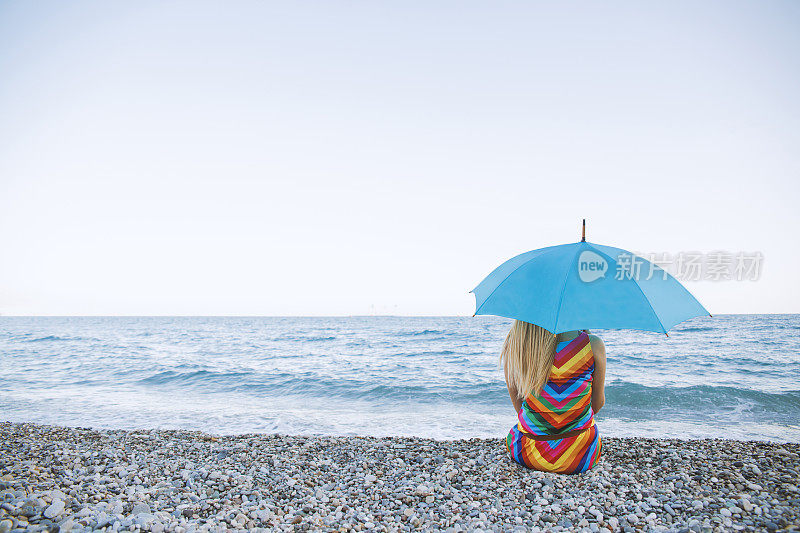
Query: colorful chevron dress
(564, 405)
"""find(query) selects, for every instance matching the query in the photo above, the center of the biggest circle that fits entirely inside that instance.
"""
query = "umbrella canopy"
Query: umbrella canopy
(584, 285)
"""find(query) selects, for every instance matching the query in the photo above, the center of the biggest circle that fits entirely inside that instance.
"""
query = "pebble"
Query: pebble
(55, 509)
(141, 508)
(185, 482)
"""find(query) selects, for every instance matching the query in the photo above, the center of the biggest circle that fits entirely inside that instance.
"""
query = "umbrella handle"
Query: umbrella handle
(583, 231)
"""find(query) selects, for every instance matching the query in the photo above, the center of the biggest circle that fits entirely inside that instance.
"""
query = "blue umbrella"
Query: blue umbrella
(585, 286)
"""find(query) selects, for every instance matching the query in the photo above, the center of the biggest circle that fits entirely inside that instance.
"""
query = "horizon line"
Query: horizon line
(303, 316)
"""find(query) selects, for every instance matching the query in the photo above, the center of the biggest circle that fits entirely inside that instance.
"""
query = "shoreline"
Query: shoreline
(176, 480)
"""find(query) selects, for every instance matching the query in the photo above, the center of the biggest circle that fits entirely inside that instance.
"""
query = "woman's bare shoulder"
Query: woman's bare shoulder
(598, 347)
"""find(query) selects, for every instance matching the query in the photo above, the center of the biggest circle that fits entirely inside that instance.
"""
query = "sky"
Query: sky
(355, 157)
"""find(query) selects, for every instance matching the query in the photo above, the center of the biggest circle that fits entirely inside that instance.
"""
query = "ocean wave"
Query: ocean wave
(429, 353)
(703, 399)
(389, 391)
(54, 338)
(623, 398)
(198, 377)
(301, 338)
(420, 333)
(312, 387)
(695, 329)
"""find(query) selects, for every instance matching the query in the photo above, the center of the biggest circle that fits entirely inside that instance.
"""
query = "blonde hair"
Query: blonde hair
(527, 357)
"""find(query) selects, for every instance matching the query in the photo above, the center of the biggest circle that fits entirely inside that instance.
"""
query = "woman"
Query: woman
(556, 383)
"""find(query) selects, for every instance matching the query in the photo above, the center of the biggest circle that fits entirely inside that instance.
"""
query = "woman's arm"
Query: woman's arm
(512, 391)
(599, 374)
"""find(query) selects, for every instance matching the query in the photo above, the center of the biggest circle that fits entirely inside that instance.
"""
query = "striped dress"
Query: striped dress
(565, 404)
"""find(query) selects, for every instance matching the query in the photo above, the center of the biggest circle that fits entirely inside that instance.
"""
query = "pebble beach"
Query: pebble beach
(74, 479)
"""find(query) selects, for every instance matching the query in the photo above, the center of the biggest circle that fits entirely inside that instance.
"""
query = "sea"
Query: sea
(729, 376)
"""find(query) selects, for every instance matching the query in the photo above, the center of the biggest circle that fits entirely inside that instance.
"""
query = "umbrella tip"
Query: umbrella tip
(583, 231)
